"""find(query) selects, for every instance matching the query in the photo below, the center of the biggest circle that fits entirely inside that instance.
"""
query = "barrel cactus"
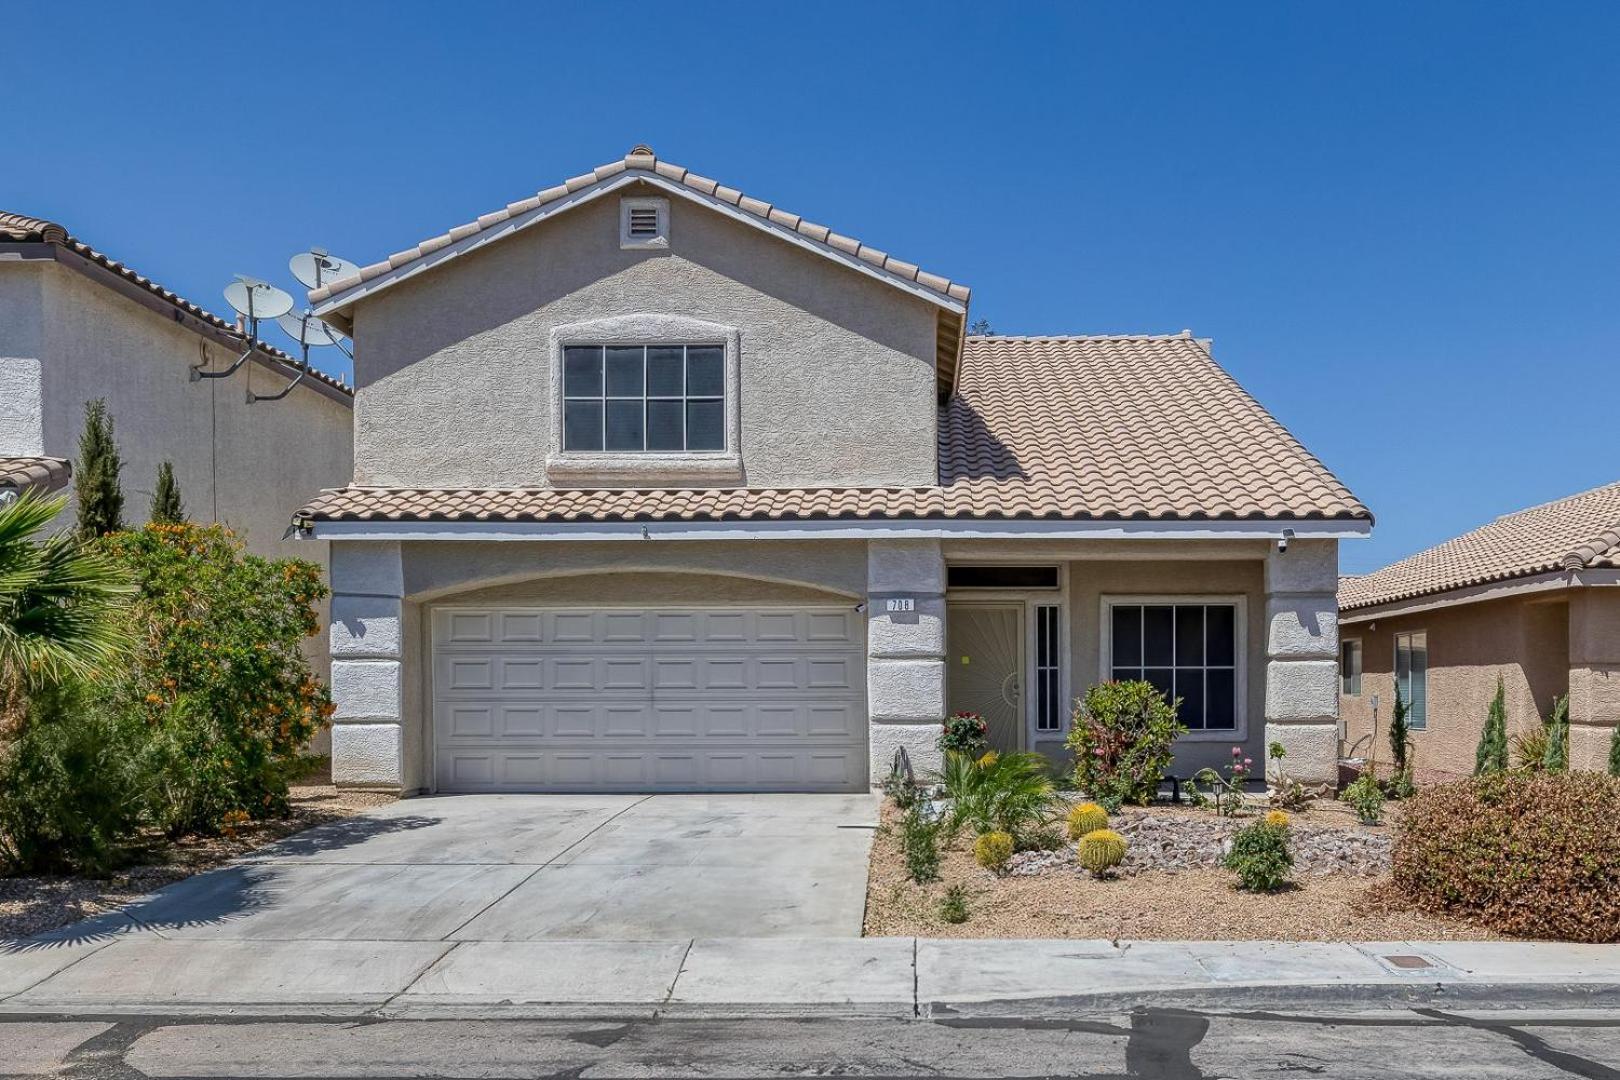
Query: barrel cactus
(992, 850)
(1087, 817)
(1101, 850)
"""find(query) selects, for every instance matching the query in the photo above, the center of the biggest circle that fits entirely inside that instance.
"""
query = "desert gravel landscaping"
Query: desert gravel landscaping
(33, 905)
(1170, 887)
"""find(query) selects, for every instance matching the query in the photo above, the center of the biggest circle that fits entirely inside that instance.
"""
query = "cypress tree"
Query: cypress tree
(1400, 738)
(1492, 754)
(1614, 752)
(1556, 758)
(96, 483)
(167, 509)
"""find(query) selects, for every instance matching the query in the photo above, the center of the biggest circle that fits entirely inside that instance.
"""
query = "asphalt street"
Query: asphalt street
(1176, 1044)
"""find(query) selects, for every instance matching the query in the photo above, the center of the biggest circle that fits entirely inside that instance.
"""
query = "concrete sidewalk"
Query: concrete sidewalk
(885, 977)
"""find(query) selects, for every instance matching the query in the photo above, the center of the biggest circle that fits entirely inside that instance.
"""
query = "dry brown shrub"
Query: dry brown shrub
(1529, 854)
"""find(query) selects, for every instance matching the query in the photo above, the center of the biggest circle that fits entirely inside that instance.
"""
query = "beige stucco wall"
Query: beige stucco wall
(1594, 676)
(249, 466)
(453, 366)
(1524, 641)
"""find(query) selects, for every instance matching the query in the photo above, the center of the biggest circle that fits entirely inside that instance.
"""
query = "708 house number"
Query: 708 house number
(903, 603)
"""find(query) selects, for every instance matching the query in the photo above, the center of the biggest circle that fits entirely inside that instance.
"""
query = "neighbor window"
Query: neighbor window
(644, 398)
(1350, 667)
(1188, 651)
(1412, 676)
(1048, 665)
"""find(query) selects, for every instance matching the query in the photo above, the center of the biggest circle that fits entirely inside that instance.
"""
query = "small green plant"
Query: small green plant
(1010, 793)
(1530, 748)
(1400, 746)
(953, 906)
(1366, 798)
(901, 786)
(1085, 818)
(919, 844)
(1228, 790)
(1122, 738)
(1614, 752)
(992, 850)
(1100, 851)
(964, 733)
(1195, 798)
(1260, 856)
(1286, 792)
(1491, 756)
(167, 509)
(1556, 757)
(96, 483)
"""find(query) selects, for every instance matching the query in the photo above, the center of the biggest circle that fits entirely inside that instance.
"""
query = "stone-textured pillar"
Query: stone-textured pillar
(368, 745)
(1302, 658)
(1594, 675)
(905, 653)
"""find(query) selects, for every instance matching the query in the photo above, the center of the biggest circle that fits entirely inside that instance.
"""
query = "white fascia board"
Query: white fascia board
(892, 529)
(506, 228)
(1477, 594)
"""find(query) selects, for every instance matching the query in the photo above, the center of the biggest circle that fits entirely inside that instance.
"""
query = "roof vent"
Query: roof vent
(643, 223)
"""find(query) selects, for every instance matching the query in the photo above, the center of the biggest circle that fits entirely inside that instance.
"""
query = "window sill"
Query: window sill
(643, 470)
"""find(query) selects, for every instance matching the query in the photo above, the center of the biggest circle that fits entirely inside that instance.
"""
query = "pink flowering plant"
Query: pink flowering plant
(1228, 789)
(1122, 738)
(964, 733)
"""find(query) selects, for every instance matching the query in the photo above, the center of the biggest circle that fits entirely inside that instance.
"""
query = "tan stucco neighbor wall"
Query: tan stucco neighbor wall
(1525, 641)
(454, 366)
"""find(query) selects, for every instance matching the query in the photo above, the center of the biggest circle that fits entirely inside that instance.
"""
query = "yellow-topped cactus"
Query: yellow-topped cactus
(1085, 818)
(992, 850)
(1276, 817)
(1101, 850)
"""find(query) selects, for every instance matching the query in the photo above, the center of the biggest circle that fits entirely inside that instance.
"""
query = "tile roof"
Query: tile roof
(1574, 533)
(1057, 428)
(641, 159)
(24, 229)
(44, 474)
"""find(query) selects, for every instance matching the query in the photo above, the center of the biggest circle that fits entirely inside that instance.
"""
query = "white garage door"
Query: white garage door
(726, 699)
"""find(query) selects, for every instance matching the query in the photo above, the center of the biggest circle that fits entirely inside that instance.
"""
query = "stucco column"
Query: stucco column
(368, 586)
(1302, 658)
(1594, 675)
(905, 652)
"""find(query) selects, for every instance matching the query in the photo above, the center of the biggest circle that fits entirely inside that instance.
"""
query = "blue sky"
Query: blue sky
(1399, 222)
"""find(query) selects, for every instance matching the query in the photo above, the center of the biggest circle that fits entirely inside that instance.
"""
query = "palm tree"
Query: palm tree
(58, 599)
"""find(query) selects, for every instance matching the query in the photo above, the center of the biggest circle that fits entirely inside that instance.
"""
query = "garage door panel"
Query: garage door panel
(529, 699)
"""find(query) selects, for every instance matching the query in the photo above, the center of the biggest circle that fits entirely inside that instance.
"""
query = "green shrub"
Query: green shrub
(1614, 752)
(1491, 755)
(1100, 851)
(1260, 857)
(1556, 758)
(218, 675)
(1085, 818)
(1122, 737)
(919, 844)
(1528, 854)
(992, 850)
(964, 733)
(1366, 798)
(73, 787)
(953, 906)
(1010, 793)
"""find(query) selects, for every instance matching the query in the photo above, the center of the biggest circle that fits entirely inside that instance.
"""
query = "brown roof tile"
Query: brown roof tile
(643, 160)
(1574, 533)
(1066, 428)
(43, 474)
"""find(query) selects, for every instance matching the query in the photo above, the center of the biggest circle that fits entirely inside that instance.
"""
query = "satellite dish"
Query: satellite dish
(316, 268)
(306, 329)
(257, 299)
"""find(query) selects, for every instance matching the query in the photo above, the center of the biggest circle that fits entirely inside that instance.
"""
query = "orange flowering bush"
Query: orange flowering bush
(218, 675)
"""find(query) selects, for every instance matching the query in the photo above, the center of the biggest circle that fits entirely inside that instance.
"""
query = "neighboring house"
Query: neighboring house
(40, 474)
(1530, 598)
(661, 487)
(76, 325)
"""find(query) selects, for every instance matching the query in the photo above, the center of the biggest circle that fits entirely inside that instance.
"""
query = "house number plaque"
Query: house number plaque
(900, 603)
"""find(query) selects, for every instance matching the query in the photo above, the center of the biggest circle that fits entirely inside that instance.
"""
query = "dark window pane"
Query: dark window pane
(705, 371)
(664, 371)
(624, 377)
(1190, 689)
(1125, 674)
(1001, 577)
(582, 371)
(1189, 636)
(1163, 680)
(624, 425)
(664, 429)
(1220, 696)
(1127, 645)
(582, 425)
(705, 426)
(1158, 635)
(1220, 637)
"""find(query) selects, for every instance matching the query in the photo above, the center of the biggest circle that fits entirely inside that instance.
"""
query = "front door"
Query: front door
(985, 664)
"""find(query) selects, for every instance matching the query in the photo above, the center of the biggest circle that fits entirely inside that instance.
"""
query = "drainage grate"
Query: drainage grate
(1407, 960)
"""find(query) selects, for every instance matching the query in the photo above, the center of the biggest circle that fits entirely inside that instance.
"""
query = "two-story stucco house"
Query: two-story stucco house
(76, 324)
(660, 487)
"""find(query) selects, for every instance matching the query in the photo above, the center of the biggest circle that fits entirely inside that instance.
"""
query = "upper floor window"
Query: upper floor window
(1412, 677)
(644, 398)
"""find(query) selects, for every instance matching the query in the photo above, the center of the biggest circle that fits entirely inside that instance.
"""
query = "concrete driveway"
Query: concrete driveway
(535, 867)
